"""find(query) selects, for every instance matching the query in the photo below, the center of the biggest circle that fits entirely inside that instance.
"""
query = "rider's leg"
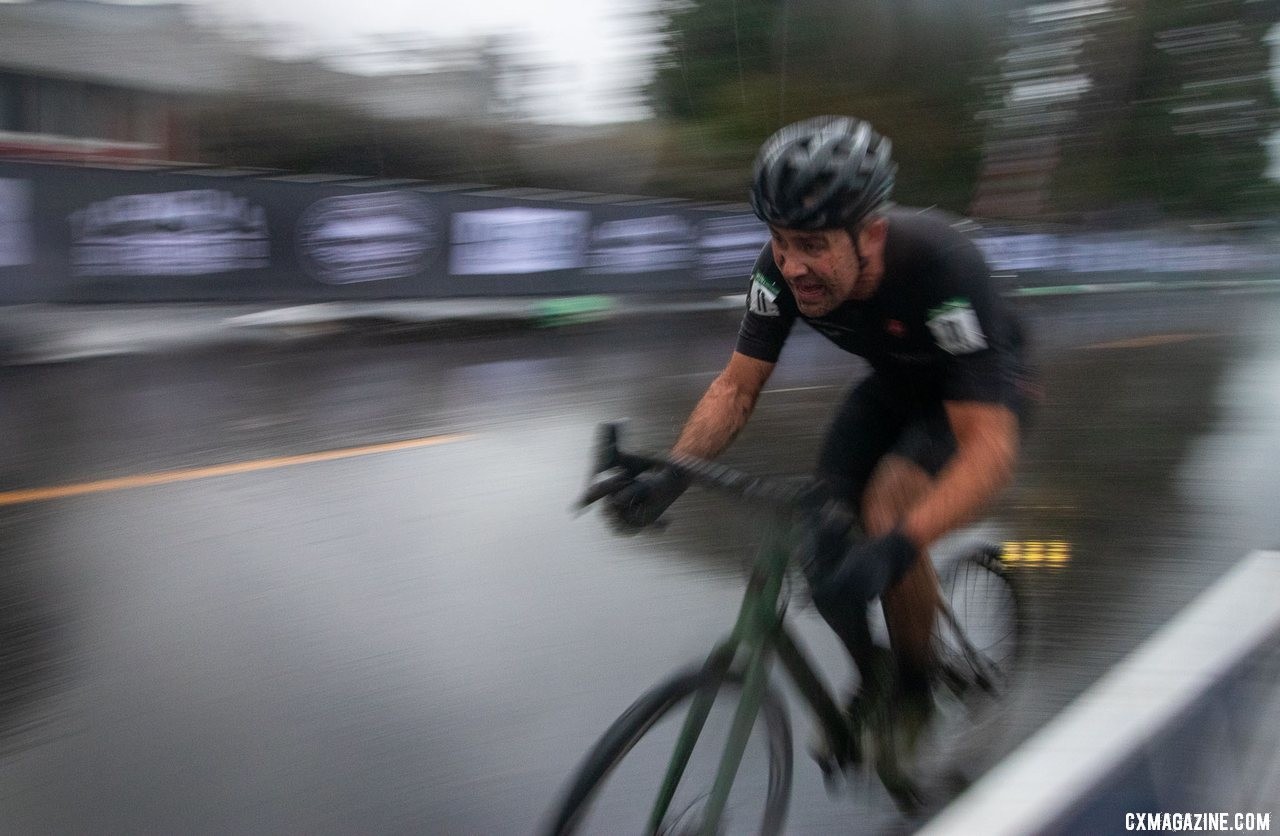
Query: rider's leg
(866, 425)
(910, 605)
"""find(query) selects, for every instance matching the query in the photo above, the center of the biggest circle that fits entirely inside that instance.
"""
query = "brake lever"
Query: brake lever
(606, 482)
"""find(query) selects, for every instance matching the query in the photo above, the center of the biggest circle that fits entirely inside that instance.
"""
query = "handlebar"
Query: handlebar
(613, 468)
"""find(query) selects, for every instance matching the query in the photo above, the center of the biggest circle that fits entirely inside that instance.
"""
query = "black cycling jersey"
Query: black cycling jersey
(935, 328)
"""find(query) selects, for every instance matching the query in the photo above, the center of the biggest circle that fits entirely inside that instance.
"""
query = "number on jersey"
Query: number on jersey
(956, 329)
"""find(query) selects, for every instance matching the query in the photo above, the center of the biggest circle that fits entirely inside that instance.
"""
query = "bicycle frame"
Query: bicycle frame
(758, 634)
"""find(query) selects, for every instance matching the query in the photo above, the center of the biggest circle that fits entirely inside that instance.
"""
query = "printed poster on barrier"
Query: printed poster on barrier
(16, 236)
(186, 233)
(348, 239)
(729, 246)
(641, 245)
(518, 240)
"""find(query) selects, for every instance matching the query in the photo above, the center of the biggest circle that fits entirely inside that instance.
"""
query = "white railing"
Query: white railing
(1189, 722)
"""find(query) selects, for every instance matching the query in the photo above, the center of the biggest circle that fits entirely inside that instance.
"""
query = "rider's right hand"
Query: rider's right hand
(865, 570)
(640, 502)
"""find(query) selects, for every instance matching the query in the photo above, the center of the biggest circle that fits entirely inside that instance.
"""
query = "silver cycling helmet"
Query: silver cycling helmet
(828, 172)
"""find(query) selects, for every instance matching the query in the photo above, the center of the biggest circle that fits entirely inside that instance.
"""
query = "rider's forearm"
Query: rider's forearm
(981, 468)
(716, 420)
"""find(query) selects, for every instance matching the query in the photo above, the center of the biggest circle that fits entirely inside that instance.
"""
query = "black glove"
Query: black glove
(640, 502)
(865, 571)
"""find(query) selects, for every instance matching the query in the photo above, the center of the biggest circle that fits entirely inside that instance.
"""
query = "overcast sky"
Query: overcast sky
(594, 48)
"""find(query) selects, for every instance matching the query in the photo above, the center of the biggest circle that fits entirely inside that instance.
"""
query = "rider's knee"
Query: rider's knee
(895, 487)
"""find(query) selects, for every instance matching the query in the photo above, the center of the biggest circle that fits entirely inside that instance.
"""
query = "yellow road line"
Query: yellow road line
(1148, 342)
(230, 469)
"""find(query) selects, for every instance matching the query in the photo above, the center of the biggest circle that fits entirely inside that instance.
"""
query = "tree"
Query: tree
(1202, 109)
(736, 70)
(1020, 109)
(1131, 111)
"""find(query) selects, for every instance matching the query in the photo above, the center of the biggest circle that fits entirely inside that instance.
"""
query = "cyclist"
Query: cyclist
(920, 445)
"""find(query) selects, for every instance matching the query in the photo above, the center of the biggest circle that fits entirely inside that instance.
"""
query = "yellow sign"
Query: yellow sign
(1053, 552)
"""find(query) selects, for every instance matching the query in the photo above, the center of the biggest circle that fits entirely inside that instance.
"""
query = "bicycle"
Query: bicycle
(742, 663)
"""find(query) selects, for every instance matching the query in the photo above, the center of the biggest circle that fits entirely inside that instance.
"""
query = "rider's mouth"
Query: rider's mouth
(809, 291)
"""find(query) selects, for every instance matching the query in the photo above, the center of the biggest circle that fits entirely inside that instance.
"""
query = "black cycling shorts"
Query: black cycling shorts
(875, 420)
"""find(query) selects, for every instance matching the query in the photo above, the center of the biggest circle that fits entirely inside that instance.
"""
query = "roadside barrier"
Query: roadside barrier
(1184, 734)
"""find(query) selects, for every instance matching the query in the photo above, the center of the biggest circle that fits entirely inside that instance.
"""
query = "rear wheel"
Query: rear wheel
(979, 644)
(615, 788)
(979, 638)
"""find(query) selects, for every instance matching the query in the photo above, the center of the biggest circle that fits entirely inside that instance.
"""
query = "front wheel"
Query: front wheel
(615, 788)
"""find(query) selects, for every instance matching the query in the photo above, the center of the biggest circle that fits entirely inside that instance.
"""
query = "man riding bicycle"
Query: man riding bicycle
(919, 446)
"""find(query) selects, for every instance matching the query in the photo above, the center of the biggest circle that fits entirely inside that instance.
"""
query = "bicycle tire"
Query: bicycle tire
(966, 743)
(643, 714)
(985, 563)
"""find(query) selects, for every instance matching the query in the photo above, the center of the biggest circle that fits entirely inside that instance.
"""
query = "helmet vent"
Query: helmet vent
(822, 173)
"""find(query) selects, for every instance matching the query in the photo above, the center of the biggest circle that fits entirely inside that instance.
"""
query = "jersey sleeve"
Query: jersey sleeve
(768, 318)
(971, 324)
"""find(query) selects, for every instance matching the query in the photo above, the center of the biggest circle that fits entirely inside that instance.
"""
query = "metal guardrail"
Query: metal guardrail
(1188, 724)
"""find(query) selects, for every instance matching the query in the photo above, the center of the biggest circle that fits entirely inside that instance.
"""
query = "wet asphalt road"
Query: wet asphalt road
(424, 639)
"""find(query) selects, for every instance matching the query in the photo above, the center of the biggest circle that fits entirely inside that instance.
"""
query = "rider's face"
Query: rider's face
(821, 268)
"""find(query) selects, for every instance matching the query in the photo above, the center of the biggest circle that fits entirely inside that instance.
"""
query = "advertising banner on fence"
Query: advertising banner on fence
(375, 237)
(96, 234)
(727, 247)
(518, 240)
(101, 234)
(654, 243)
(17, 247)
(181, 233)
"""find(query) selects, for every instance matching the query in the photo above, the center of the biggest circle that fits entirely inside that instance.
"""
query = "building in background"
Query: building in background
(82, 80)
